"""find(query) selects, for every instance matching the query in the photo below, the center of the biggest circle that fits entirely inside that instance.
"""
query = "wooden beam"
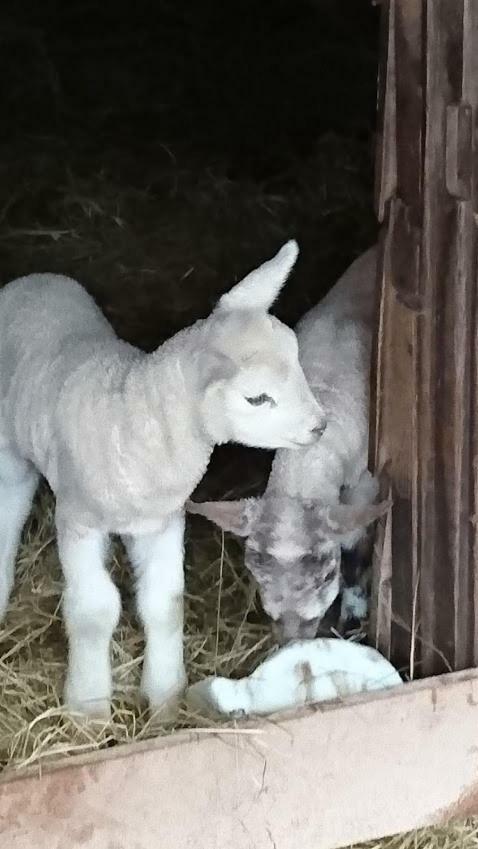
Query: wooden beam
(424, 413)
(328, 777)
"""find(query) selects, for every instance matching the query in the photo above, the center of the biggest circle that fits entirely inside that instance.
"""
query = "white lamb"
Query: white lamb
(123, 438)
(321, 498)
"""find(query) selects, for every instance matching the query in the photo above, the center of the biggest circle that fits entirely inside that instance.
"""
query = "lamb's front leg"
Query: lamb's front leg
(158, 562)
(91, 608)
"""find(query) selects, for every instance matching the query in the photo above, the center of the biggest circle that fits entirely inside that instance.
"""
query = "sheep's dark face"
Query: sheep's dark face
(293, 550)
(297, 569)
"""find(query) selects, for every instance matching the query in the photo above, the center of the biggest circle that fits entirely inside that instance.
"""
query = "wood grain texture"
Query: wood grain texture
(424, 410)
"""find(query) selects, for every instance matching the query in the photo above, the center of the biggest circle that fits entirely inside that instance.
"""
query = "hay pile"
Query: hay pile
(157, 235)
(456, 836)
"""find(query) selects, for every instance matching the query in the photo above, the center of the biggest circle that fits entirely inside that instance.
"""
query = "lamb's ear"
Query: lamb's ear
(343, 519)
(238, 517)
(261, 287)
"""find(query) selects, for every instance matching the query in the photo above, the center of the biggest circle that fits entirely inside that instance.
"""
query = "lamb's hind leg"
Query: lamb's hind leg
(18, 481)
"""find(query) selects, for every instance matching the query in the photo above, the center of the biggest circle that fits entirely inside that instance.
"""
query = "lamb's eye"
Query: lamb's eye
(258, 400)
(329, 576)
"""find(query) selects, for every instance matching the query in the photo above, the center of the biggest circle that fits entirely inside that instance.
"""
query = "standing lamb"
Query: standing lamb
(123, 438)
(320, 499)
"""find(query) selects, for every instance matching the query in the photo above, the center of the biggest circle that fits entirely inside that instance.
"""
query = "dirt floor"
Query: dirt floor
(157, 160)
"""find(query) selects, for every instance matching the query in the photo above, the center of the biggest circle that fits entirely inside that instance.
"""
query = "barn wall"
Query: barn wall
(424, 431)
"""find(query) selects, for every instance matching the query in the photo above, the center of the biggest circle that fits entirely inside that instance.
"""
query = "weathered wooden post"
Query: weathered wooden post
(424, 416)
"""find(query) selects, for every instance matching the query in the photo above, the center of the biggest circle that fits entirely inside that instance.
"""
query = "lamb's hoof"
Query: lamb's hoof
(94, 710)
(165, 713)
(164, 704)
(163, 701)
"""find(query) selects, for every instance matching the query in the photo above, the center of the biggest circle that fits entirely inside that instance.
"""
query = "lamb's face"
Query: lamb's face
(296, 567)
(293, 550)
(262, 396)
(255, 391)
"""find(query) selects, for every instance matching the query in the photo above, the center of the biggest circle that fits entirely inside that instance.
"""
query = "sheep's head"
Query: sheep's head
(293, 550)
(255, 391)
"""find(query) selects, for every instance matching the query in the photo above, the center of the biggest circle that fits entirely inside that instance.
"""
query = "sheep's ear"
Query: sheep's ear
(343, 519)
(238, 517)
(261, 287)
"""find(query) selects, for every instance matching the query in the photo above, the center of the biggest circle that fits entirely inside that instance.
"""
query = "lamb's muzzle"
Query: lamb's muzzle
(290, 627)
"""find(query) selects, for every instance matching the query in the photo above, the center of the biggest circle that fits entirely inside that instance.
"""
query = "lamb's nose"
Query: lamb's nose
(287, 628)
(319, 428)
(283, 632)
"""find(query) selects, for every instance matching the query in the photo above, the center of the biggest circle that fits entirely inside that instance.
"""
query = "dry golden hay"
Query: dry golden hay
(453, 836)
(223, 634)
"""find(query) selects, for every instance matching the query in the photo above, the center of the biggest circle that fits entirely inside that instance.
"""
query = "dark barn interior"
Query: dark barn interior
(157, 157)
(156, 153)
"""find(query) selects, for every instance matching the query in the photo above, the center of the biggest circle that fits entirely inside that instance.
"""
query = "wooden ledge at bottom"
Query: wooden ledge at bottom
(325, 777)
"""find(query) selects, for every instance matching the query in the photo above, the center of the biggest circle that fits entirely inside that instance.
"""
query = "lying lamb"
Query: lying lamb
(123, 438)
(321, 498)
